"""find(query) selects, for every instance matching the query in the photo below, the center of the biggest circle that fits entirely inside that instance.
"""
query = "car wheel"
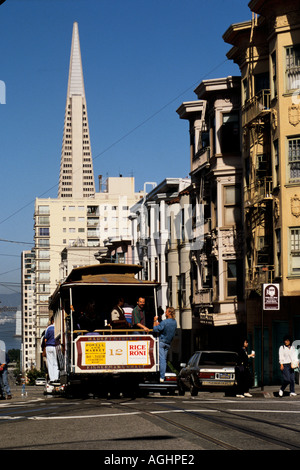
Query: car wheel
(193, 389)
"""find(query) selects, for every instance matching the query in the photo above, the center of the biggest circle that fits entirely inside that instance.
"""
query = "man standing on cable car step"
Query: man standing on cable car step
(166, 330)
(52, 365)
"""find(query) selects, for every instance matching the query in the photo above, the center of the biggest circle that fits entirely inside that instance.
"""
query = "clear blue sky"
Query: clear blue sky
(141, 60)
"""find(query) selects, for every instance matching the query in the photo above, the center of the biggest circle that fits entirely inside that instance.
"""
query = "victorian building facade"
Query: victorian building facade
(267, 51)
(216, 179)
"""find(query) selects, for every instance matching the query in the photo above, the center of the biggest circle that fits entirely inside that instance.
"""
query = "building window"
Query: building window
(182, 228)
(170, 291)
(294, 159)
(273, 71)
(278, 252)
(181, 291)
(245, 89)
(44, 210)
(276, 162)
(43, 221)
(42, 276)
(43, 265)
(261, 165)
(43, 242)
(44, 254)
(294, 266)
(232, 206)
(156, 269)
(234, 279)
(292, 68)
(261, 82)
(44, 232)
(230, 133)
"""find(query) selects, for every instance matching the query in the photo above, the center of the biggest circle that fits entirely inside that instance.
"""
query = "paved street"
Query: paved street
(172, 424)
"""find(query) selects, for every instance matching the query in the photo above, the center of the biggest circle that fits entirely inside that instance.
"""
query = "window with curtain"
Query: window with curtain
(294, 159)
(294, 266)
(232, 206)
(292, 68)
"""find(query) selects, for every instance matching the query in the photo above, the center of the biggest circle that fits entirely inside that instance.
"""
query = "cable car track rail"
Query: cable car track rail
(219, 421)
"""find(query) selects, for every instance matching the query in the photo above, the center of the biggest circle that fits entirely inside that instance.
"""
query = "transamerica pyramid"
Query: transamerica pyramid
(76, 179)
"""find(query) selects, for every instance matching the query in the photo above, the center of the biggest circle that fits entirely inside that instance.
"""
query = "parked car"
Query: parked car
(208, 370)
(40, 381)
(50, 389)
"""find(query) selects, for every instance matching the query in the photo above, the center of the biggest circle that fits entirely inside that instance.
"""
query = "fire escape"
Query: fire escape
(258, 198)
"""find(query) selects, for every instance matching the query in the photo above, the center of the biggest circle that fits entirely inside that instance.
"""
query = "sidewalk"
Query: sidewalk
(271, 391)
(31, 392)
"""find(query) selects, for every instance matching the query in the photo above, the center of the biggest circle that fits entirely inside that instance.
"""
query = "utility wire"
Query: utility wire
(142, 123)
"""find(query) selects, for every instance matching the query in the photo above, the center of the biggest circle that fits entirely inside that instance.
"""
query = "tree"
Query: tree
(33, 374)
(14, 355)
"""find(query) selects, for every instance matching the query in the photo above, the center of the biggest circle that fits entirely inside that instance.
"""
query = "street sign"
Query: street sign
(271, 297)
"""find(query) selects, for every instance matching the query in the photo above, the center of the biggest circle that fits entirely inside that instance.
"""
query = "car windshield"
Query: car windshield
(218, 358)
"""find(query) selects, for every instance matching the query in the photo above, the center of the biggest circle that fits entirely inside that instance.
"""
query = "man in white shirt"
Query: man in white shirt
(288, 361)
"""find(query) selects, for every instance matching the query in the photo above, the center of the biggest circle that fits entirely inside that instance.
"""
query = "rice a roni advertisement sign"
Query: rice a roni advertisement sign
(115, 353)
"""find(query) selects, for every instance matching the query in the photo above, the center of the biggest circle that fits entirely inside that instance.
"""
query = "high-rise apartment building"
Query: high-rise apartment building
(28, 310)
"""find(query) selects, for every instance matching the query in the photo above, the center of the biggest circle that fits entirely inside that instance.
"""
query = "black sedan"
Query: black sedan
(208, 370)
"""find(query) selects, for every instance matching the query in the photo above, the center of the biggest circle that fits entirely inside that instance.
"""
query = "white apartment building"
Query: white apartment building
(28, 310)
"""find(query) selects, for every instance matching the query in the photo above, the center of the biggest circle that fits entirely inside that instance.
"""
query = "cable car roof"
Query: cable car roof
(106, 274)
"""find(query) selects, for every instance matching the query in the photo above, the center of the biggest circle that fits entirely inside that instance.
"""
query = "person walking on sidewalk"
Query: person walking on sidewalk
(288, 361)
(4, 385)
(243, 372)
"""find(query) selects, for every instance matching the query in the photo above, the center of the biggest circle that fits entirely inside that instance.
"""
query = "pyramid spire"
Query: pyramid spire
(75, 84)
(76, 178)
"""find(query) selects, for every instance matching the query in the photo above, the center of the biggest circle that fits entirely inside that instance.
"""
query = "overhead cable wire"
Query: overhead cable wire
(120, 139)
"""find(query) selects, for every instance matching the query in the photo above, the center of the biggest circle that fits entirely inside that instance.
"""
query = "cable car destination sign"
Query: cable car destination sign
(114, 353)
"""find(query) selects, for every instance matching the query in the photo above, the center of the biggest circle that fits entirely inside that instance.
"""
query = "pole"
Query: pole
(262, 347)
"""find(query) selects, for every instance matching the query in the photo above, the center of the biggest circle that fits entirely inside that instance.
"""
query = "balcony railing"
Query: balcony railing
(258, 191)
(201, 159)
(203, 296)
(259, 275)
(256, 107)
(93, 233)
